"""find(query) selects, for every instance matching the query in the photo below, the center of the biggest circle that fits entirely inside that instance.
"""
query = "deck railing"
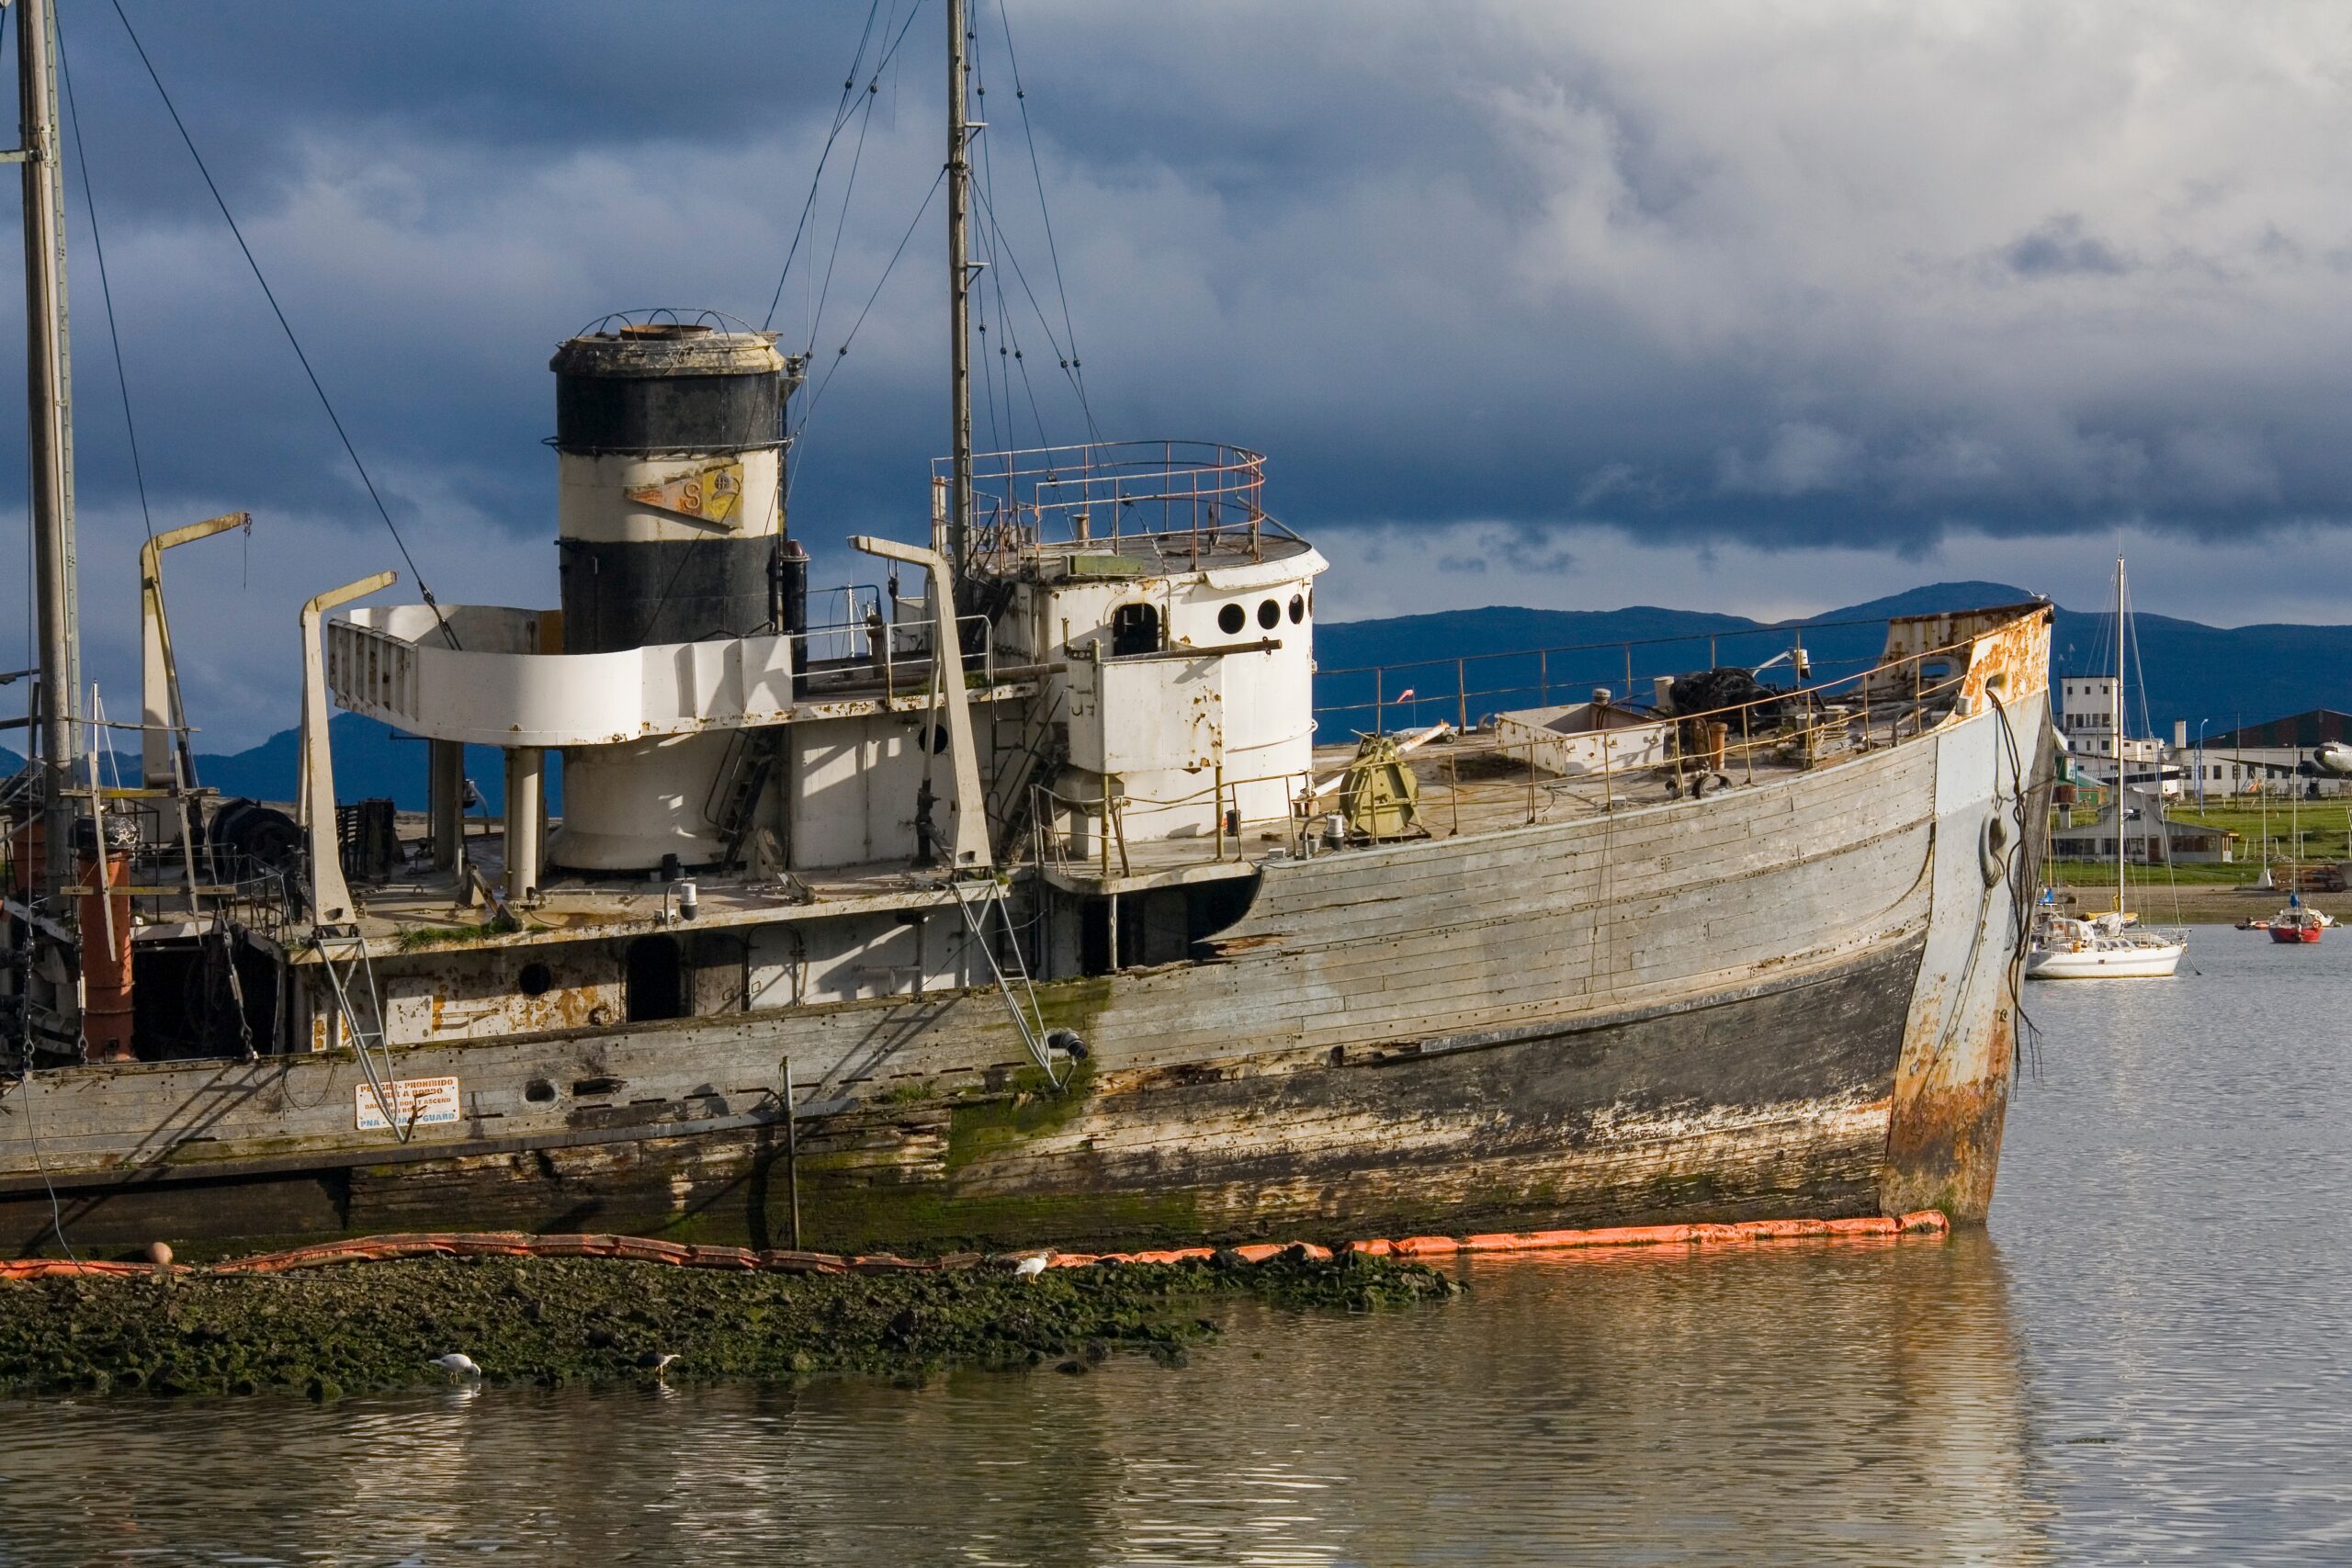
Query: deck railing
(896, 654)
(1178, 498)
(1375, 698)
(1885, 704)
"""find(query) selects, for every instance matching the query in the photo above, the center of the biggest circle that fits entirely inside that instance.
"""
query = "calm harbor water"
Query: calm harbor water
(2143, 1361)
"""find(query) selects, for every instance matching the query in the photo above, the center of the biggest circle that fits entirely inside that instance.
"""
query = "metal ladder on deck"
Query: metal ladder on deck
(1020, 993)
(358, 970)
(1036, 750)
(750, 762)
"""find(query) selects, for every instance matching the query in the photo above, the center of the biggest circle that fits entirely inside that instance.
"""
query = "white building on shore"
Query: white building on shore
(2275, 758)
(2098, 743)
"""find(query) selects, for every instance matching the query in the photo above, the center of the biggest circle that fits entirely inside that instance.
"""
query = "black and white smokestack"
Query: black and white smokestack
(670, 508)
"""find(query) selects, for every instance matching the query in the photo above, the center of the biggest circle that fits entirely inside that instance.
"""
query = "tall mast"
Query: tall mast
(959, 298)
(50, 445)
(2121, 794)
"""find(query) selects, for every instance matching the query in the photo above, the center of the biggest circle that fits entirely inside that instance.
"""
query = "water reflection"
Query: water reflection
(2170, 1210)
(1785, 1404)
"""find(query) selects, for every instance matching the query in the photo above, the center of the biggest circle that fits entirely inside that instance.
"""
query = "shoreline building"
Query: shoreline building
(2273, 758)
(2098, 742)
(2277, 757)
(2150, 838)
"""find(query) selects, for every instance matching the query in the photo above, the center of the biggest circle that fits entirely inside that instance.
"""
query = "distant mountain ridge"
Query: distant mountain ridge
(2221, 675)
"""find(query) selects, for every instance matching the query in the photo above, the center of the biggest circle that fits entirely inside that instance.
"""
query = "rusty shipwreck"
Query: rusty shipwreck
(1010, 898)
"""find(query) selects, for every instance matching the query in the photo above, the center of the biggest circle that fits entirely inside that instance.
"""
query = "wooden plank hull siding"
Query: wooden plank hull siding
(1794, 998)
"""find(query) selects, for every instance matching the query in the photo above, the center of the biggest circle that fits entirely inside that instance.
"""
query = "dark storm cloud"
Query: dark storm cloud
(2060, 246)
(1853, 277)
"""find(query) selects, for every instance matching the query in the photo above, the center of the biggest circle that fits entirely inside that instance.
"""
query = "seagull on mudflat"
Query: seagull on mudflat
(1030, 1267)
(458, 1364)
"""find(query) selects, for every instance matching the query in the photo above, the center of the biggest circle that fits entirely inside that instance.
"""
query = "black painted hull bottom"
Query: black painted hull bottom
(1767, 1104)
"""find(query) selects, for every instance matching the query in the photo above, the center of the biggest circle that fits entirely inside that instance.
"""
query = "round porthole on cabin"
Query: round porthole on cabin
(1231, 620)
(1298, 608)
(1270, 614)
(536, 980)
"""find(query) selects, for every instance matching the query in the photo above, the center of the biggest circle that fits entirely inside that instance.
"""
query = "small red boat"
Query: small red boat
(2296, 925)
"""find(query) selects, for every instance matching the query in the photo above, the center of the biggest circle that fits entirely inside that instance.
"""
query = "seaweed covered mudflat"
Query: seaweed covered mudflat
(373, 1326)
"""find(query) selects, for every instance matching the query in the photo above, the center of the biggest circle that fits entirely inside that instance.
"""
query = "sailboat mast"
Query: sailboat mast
(2122, 709)
(50, 448)
(959, 299)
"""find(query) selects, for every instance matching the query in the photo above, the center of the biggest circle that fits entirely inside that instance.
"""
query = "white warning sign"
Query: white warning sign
(416, 1102)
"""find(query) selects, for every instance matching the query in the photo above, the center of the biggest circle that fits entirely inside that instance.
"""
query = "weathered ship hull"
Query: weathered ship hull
(1796, 998)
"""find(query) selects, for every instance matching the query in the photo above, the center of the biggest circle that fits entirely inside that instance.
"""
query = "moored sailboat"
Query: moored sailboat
(2113, 945)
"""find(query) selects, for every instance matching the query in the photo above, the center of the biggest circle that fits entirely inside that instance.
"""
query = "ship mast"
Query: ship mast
(2122, 796)
(50, 445)
(959, 302)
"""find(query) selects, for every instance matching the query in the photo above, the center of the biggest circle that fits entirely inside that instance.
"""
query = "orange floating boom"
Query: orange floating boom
(649, 1249)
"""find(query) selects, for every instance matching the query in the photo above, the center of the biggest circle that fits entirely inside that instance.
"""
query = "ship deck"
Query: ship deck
(1513, 769)
(441, 910)
(1479, 782)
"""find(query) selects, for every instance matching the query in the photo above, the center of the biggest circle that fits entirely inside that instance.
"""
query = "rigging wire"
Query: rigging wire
(2147, 716)
(32, 579)
(1070, 371)
(988, 268)
(842, 113)
(792, 471)
(993, 283)
(1010, 357)
(1069, 331)
(993, 237)
(840, 118)
(840, 220)
(295, 342)
(816, 397)
(105, 288)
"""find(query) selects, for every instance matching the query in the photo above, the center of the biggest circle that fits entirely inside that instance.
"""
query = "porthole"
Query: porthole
(535, 980)
(1298, 608)
(1270, 614)
(1231, 620)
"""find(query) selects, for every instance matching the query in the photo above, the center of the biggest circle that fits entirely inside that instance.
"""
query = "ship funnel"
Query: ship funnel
(670, 505)
(670, 446)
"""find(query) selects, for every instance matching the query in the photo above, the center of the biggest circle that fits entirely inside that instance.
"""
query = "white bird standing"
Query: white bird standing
(458, 1364)
(658, 1363)
(1030, 1267)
